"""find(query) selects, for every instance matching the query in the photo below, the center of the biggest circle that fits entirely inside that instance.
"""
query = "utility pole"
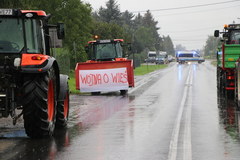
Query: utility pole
(74, 49)
(133, 51)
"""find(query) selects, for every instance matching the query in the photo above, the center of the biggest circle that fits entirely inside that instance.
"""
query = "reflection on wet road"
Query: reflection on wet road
(173, 115)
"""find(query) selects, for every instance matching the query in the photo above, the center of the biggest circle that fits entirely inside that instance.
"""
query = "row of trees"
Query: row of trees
(140, 30)
(108, 22)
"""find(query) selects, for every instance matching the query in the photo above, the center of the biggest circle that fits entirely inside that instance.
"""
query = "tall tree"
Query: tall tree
(127, 18)
(149, 37)
(138, 21)
(108, 30)
(211, 46)
(168, 45)
(21, 4)
(111, 23)
(179, 47)
(148, 20)
(111, 13)
(77, 17)
(142, 40)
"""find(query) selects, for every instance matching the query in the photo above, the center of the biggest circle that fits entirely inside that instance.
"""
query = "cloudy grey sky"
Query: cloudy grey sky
(189, 26)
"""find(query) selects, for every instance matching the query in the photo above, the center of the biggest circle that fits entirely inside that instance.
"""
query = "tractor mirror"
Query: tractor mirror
(216, 33)
(60, 31)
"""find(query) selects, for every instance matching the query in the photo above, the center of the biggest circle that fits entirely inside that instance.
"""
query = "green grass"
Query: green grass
(143, 69)
(72, 83)
(214, 62)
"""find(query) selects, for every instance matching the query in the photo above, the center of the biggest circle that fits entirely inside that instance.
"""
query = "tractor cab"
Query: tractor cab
(230, 34)
(105, 50)
(23, 32)
(13, 35)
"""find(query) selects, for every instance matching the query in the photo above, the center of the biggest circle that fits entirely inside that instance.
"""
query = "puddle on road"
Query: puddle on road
(15, 134)
(94, 109)
(29, 149)
(107, 123)
(85, 112)
(229, 117)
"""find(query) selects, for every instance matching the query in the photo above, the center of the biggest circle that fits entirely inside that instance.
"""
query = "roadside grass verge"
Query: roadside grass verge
(214, 62)
(143, 69)
(72, 83)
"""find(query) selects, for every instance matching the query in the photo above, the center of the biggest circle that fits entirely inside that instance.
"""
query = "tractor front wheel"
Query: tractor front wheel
(39, 104)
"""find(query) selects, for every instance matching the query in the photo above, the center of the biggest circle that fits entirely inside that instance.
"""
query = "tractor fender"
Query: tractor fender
(63, 87)
(44, 67)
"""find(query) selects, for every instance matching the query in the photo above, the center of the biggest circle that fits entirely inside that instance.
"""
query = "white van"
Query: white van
(151, 57)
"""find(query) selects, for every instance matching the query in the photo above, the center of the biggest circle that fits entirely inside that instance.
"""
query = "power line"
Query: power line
(192, 30)
(187, 40)
(195, 6)
(206, 10)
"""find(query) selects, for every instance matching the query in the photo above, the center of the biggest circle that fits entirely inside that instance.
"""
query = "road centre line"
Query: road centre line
(173, 147)
(187, 144)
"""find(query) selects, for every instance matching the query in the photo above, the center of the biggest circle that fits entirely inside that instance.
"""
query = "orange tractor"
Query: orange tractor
(30, 79)
(107, 70)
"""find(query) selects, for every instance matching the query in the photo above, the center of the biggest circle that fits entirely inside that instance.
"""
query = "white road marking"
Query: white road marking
(187, 144)
(173, 148)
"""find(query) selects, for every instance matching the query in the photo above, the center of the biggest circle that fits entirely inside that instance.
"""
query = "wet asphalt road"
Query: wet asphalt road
(173, 114)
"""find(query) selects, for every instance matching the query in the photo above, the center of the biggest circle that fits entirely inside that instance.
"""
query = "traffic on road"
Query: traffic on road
(174, 113)
(77, 82)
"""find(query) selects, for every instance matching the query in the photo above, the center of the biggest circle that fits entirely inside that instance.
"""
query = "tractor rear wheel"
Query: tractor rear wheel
(39, 104)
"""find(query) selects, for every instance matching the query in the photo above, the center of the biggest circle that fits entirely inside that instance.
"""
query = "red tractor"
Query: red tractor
(107, 70)
(30, 79)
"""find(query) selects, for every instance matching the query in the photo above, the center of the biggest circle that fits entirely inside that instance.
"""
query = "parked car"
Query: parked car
(161, 59)
(151, 57)
(170, 58)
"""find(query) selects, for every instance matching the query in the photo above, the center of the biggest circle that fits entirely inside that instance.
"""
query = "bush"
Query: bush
(63, 59)
(136, 60)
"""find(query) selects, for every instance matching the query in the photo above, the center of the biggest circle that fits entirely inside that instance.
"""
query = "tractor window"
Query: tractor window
(119, 50)
(235, 37)
(105, 51)
(11, 35)
(33, 36)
